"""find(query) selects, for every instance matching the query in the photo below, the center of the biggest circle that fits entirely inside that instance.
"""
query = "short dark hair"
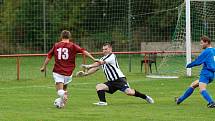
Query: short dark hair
(65, 34)
(107, 44)
(205, 39)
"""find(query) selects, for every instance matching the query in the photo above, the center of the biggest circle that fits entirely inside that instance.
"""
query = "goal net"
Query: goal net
(202, 22)
(32, 26)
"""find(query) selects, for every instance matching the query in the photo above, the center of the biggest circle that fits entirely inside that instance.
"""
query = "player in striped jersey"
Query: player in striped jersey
(116, 79)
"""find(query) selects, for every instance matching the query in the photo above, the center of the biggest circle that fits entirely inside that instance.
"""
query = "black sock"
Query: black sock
(101, 95)
(138, 94)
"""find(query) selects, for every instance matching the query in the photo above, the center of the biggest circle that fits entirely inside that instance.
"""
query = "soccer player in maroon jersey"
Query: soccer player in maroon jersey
(64, 53)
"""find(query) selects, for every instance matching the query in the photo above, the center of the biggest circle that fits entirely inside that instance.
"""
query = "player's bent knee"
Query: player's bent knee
(201, 88)
(100, 87)
(60, 92)
(195, 84)
(129, 92)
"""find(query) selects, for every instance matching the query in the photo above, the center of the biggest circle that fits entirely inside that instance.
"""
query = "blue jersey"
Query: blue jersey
(207, 58)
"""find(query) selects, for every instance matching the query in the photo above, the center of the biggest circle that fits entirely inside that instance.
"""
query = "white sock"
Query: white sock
(61, 93)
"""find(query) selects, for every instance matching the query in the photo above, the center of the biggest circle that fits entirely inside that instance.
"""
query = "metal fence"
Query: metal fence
(32, 26)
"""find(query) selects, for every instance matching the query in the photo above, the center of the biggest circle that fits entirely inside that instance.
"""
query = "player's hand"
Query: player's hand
(42, 69)
(99, 61)
(188, 65)
(81, 74)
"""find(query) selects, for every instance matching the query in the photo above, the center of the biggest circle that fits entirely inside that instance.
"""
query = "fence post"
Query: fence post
(18, 67)
(45, 72)
(145, 64)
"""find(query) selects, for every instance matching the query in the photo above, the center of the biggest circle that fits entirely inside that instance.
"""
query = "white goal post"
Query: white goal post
(188, 36)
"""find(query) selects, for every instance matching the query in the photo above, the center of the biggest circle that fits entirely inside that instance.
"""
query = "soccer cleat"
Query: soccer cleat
(211, 105)
(177, 100)
(101, 103)
(149, 99)
(58, 103)
(60, 106)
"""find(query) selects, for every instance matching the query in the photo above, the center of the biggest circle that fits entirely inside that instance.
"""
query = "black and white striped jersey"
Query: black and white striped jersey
(111, 67)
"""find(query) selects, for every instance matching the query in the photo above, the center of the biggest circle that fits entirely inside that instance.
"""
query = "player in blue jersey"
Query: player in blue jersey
(207, 59)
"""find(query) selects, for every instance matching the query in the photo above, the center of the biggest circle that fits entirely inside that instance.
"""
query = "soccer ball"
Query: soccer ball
(58, 103)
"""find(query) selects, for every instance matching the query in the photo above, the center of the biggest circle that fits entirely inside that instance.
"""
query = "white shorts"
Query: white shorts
(61, 78)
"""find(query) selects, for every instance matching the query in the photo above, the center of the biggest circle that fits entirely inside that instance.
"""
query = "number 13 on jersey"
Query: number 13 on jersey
(63, 53)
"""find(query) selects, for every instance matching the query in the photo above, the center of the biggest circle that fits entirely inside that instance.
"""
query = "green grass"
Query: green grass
(31, 98)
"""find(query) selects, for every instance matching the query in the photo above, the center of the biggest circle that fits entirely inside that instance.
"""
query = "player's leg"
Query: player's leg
(59, 88)
(60, 93)
(122, 85)
(65, 87)
(203, 82)
(205, 95)
(100, 89)
(67, 80)
(132, 92)
(59, 84)
(65, 97)
(188, 92)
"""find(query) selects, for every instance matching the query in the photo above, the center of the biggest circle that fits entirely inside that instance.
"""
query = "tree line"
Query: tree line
(26, 25)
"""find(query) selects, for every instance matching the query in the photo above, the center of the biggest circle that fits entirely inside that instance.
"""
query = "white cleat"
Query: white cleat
(101, 103)
(58, 103)
(149, 99)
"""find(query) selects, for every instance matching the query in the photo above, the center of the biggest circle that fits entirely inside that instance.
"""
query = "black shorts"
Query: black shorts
(119, 84)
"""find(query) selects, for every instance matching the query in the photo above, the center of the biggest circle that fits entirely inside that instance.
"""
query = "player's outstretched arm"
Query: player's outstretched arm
(44, 64)
(95, 64)
(199, 60)
(90, 56)
(88, 72)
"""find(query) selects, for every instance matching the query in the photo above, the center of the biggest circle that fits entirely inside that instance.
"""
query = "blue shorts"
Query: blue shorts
(206, 77)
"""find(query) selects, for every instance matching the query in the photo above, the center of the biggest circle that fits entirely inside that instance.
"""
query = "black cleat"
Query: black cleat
(177, 101)
(211, 105)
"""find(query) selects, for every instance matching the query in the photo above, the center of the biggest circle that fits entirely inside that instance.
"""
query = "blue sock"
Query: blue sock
(187, 93)
(206, 96)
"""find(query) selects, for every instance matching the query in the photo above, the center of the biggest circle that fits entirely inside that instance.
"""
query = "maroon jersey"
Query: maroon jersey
(64, 54)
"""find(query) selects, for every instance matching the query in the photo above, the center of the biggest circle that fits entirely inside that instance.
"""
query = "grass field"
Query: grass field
(31, 98)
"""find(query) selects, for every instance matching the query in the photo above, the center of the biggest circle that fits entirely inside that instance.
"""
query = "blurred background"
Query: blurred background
(32, 26)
